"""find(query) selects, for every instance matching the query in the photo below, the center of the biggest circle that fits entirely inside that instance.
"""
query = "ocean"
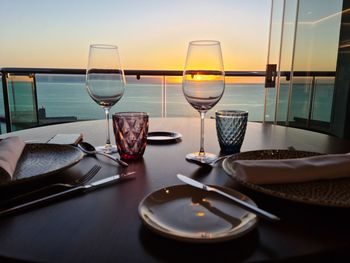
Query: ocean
(68, 97)
(146, 97)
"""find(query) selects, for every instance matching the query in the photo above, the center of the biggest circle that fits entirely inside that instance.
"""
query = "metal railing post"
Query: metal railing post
(311, 101)
(162, 99)
(268, 60)
(164, 96)
(278, 87)
(6, 101)
(291, 82)
(35, 98)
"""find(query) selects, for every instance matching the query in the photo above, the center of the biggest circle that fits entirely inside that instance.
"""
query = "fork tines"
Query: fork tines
(89, 175)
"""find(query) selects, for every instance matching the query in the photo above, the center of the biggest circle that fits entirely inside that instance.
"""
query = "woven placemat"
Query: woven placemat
(335, 193)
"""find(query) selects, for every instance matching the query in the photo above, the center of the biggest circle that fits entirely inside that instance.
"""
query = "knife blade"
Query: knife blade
(249, 207)
(79, 189)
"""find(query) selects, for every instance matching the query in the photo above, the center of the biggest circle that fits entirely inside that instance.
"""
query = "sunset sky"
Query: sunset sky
(154, 34)
(151, 34)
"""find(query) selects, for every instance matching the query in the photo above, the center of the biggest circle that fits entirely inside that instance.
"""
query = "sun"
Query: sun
(198, 77)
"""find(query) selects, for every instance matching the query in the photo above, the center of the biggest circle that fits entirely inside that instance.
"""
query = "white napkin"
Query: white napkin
(10, 151)
(293, 170)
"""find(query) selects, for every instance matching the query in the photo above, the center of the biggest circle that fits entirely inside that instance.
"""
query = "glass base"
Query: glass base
(202, 158)
(109, 148)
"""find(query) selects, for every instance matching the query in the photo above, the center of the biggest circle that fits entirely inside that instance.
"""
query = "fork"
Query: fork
(79, 181)
(211, 163)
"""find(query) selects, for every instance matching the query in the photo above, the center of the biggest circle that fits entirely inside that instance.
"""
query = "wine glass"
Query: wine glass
(105, 83)
(203, 84)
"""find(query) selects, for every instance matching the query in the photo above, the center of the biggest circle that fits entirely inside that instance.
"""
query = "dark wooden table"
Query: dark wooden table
(104, 226)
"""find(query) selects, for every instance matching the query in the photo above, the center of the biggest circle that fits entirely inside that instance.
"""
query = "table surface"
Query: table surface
(104, 225)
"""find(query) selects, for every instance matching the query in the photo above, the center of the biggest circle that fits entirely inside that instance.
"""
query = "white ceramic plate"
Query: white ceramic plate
(185, 213)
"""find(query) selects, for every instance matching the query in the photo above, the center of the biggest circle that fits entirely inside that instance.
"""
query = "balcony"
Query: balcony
(37, 97)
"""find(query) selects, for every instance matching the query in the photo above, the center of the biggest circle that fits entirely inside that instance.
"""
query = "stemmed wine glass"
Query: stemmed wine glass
(203, 84)
(105, 83)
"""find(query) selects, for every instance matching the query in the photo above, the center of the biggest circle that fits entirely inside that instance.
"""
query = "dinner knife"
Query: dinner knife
(79, 189)
(249, 207)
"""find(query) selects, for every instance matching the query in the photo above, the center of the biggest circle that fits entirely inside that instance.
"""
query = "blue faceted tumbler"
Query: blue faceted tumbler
(230, 128)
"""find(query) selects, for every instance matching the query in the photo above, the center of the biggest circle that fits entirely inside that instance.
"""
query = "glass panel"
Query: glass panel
(270, 104)
(244, 93)
(22, 102)
(340, 120)
(312, 98)
(285, 59)
(316, 50)
(176, 103)
(290, 13)
(309, 31)
(280, 53)
(275, 33)
(144, 94)
(317, 39)
(241, 93)
(300, 98)
(63, 98)
(282, 101)
(274, 54)
(322, 100)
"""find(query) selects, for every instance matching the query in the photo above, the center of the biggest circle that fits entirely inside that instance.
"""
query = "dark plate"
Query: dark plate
(185, 213)
(332, 193)
(40, 160)
(159, 137)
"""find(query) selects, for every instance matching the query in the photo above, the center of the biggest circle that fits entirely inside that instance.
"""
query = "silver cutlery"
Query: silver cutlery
(251, 208)
(90, 149)
(219, 158)
(211, 163)
(33, 141)
(81, 180)
(78, 189)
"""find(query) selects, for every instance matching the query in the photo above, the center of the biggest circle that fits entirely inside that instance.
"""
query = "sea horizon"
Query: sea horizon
(67, 97)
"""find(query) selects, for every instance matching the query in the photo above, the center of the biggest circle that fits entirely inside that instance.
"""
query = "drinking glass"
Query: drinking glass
(130, 130)
(105, 83)
(230, 129)
(203, 84)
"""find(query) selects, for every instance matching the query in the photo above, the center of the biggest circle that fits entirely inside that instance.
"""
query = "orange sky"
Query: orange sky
(154, 34)
(150, 35)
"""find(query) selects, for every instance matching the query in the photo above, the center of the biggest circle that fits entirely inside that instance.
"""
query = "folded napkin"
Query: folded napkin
(293, 170)
(10, 150)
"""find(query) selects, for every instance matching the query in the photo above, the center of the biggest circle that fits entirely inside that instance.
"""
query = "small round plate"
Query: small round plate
(185, 213)
(159, 137)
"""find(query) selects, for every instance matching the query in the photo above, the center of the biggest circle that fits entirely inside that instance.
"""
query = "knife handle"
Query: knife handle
(39, 201)
(247, 206)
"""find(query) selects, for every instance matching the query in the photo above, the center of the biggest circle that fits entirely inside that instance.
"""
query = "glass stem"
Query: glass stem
(108, 141)
(201, 150)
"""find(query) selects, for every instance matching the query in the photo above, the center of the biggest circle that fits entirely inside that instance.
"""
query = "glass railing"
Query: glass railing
(311, 99)
(159, 96)
(307, 103)
(64, 98)
(60, 96)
